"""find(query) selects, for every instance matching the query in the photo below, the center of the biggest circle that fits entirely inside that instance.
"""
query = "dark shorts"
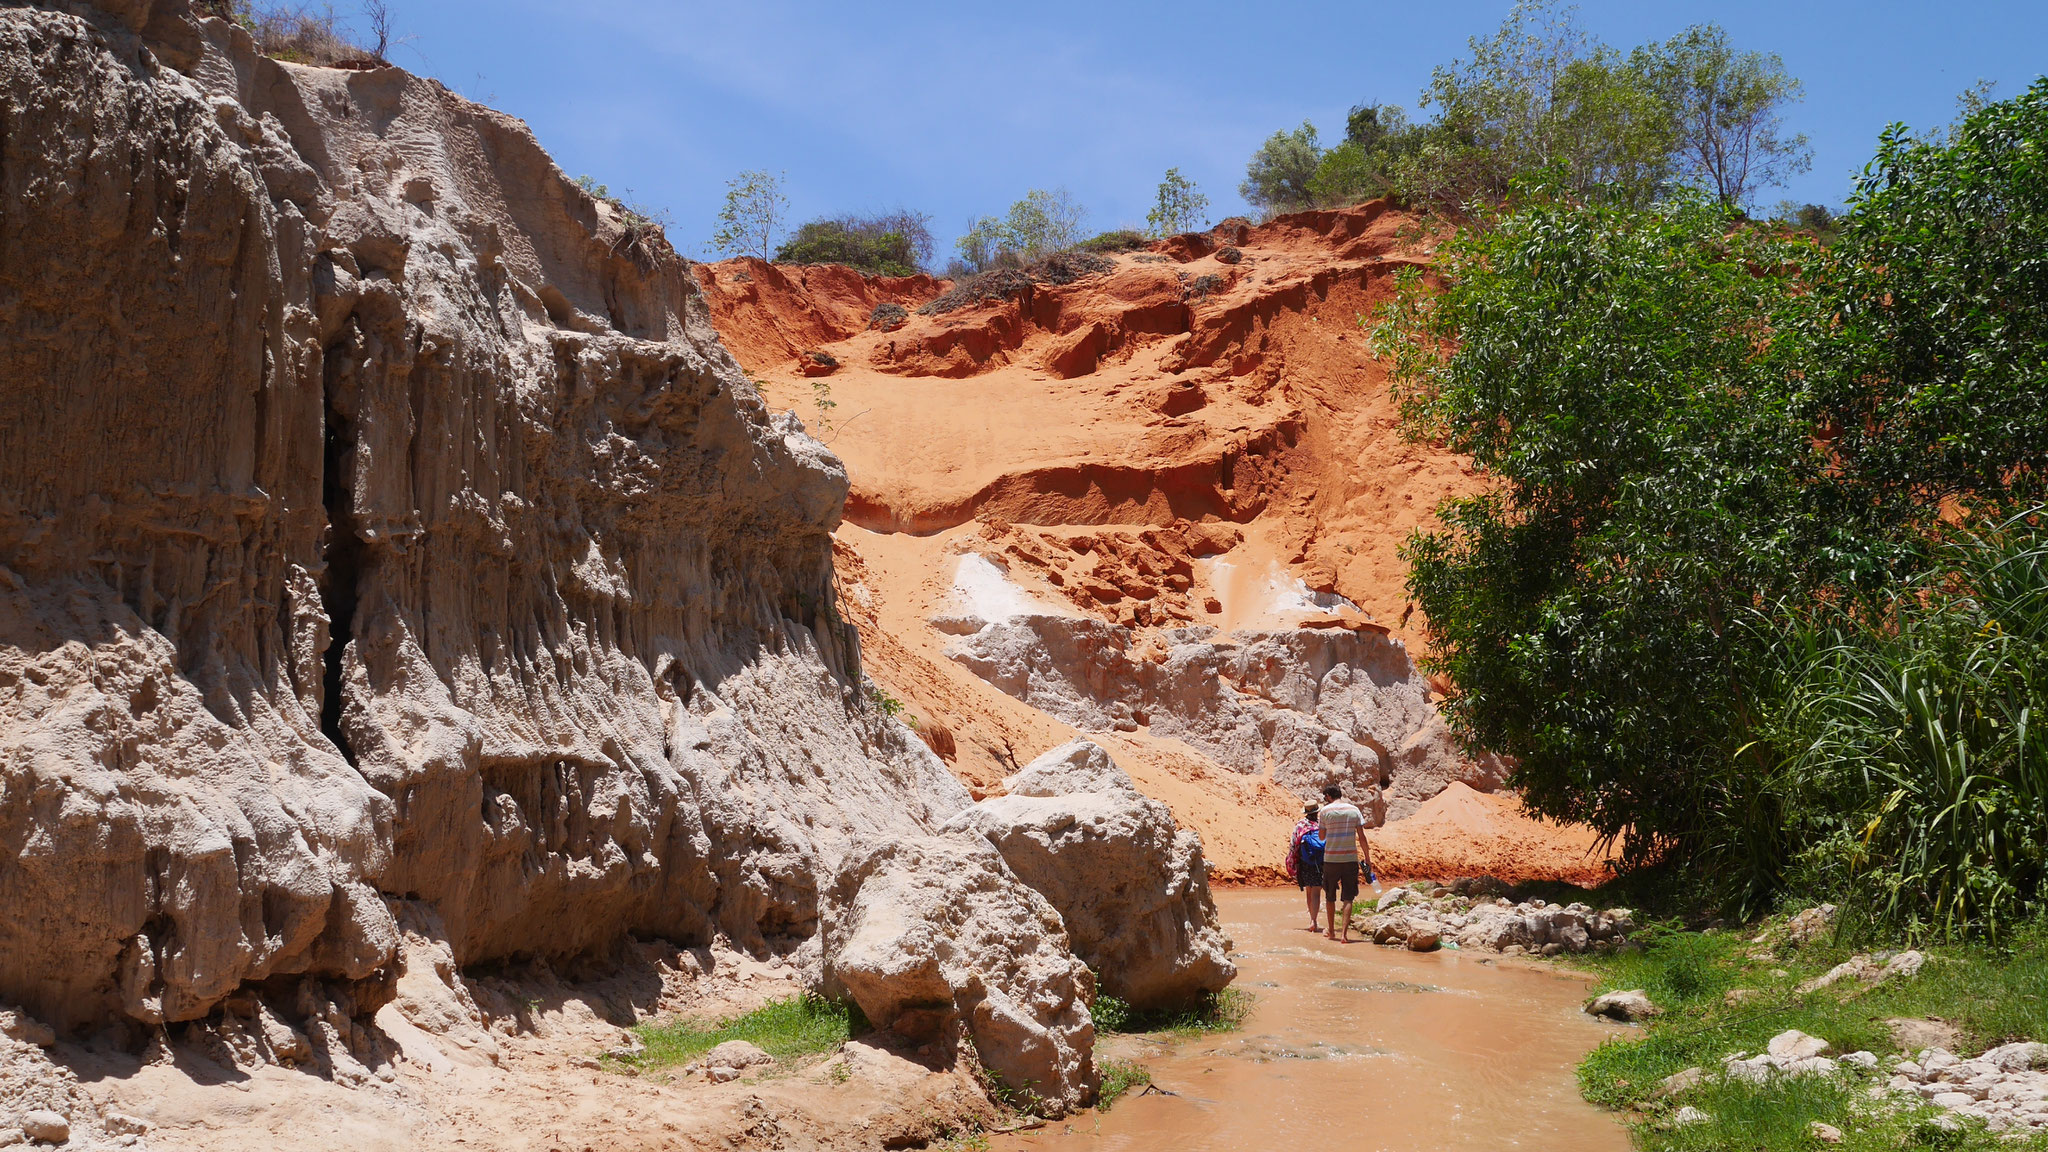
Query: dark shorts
(1308, 877)
(1344, 876)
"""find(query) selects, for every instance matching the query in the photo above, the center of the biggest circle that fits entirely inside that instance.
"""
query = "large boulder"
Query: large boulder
(935, 940)
(1131, 886)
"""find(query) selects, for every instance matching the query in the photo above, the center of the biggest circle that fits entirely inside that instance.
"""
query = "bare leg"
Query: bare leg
(1314, 906)
(1346, 914)
(1330, 925)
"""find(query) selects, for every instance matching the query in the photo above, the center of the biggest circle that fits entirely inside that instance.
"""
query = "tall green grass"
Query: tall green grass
(1119, 1077)
(1917, 733)
(1992, 993)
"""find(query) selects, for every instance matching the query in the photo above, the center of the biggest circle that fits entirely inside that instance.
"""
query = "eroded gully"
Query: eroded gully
(1361, 1048)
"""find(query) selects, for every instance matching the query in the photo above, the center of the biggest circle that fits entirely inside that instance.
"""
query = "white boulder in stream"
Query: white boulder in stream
(1131, 886)
(935, 940)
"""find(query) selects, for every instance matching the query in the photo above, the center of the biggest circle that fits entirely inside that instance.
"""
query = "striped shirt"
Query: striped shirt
(1340, 821)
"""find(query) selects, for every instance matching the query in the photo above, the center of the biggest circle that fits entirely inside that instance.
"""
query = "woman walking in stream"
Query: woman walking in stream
(1305, 862)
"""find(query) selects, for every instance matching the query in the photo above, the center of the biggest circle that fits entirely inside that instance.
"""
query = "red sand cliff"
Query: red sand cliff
(1197, 434)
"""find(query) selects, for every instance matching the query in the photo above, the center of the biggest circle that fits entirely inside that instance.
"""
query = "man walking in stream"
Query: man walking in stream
(1343, 851)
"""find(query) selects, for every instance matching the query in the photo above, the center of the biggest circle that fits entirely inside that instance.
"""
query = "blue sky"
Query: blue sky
(956, 109)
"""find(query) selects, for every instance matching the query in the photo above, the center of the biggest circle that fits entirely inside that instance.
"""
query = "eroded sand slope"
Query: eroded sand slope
(1161, 504)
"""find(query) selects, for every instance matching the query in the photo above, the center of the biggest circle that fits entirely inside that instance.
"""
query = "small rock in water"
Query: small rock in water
(1422, 940)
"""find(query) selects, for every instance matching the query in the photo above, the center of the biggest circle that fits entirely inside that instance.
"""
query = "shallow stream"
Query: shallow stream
(1361, 1048)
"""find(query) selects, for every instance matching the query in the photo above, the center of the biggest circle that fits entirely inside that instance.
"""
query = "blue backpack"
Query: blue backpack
(1311, 851)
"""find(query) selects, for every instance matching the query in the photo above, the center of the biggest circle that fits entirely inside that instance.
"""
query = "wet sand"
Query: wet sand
(1361, 1048)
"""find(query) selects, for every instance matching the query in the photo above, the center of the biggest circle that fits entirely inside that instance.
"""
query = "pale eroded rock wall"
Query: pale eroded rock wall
(381, 521)
(1307, 706)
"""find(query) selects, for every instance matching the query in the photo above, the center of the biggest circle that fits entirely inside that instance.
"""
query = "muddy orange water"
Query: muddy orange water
(1361, 1048)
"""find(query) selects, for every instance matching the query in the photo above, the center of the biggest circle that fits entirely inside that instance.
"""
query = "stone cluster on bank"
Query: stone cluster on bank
(1477, 915)
(2006, 1087)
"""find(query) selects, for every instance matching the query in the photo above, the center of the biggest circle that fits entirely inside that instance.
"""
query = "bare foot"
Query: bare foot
(1331, 935)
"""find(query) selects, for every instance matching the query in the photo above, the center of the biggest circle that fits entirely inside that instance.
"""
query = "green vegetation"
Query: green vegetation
(1120, 240)
(1040, 224)
(1223, 1011)
(785, 1029)
(972, 288)
(1917, 769)
(1180, 206)
(1278, 178)
(888, 316)
(888, 704)
(1757, 584)
(1119, 1077)
(890, 244)
(1990, 995)
(1542, 96)
(640, 219)
(753, 210)
(1726, 133)
(300, 34)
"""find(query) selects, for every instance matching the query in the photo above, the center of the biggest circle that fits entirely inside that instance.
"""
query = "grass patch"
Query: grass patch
(1990, 994)
(1119, 1077)
(1780, 1114)
(1223, 1011)
(785, 1029)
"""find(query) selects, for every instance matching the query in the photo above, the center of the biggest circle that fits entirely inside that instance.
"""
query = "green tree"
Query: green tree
(1706, 436)
(1634, 385)
(1180, 206)
(1043, 222)
(1541, 95)
(1726, 109)
(981, 245)
(1938, 280)
(1280, 173)
(891, 244)
(754, 208)
(1378, 140)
